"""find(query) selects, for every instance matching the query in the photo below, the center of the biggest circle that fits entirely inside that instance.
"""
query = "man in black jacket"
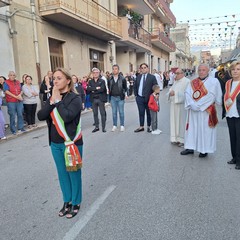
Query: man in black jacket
(117, 86)
(98, 96)
(142, 90)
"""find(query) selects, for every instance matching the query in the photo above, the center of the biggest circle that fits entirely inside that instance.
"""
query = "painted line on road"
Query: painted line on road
(82, 222)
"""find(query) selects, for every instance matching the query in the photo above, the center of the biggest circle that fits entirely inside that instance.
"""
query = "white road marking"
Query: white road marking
(82, 222)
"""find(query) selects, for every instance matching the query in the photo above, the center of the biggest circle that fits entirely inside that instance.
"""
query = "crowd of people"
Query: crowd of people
(193, 114)
(20, 98)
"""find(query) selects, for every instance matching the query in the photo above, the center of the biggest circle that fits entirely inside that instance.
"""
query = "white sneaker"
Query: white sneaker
(3, 138)
(157, 131)
(114, 128)
(122, 129)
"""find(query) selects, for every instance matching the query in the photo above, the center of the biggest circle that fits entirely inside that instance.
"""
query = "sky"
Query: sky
(211, 22)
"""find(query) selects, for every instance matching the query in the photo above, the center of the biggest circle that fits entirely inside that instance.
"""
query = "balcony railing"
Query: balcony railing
(89, 11)
(166, 42)
(152, 3)
(164, 8)
(137, 32)
(4, 3)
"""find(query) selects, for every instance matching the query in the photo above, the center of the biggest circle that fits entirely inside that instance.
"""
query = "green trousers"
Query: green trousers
(70, 182)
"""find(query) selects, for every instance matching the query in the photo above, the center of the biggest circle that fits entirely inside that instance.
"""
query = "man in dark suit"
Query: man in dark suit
(142, 90)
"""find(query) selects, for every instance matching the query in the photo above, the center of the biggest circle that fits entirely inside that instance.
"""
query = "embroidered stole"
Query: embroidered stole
(228, 97)
(73, 160)
(200, 91)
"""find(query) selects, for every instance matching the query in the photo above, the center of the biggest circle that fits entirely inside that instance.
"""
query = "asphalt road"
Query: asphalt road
(136, 186)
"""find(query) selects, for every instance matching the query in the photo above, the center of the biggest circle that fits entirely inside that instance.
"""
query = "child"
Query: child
(153, 105)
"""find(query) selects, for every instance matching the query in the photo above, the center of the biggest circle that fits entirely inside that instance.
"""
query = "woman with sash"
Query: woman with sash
(62, 112)
(231, 110)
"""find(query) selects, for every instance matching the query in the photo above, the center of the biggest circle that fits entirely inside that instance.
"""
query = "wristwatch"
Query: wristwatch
(57, 101)
(54, 102)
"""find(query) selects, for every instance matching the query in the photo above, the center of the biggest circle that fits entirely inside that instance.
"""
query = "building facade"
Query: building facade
(182, 57)
(81, 34)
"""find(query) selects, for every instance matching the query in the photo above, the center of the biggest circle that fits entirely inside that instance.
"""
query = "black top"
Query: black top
(80, 91)
(43, 87)
(118, 88)
(70, 110)
(115, 90)
(101, 93)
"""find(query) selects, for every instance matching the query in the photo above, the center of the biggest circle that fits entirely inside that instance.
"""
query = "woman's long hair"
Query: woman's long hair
(67, 74)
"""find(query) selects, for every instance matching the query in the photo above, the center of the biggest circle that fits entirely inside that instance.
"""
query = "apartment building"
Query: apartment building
(181, 57)
(149, 41)
(40, 35)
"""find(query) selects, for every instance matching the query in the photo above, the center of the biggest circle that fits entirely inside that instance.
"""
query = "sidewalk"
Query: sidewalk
(40, 125)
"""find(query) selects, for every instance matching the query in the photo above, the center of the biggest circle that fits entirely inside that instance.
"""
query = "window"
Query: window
(56, 53)
(96, 59)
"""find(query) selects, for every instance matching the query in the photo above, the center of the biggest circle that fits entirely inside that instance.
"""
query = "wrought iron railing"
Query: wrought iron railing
(163, 37)
(166, 10)
(152, 2)
(137, 32)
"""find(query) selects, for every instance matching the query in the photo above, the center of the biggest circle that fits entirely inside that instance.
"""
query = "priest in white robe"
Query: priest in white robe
(159, 80)
(201, 96)
(178, 114)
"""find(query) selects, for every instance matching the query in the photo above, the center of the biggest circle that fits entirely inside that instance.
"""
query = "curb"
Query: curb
(40, 125)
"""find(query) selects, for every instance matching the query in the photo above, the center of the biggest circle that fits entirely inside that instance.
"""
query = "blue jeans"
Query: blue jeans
(15, 108)
(70, 182)
(117, 106)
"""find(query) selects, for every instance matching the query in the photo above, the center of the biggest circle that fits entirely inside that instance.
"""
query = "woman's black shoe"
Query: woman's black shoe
(73, 212)
(65, 209)
(237, 167)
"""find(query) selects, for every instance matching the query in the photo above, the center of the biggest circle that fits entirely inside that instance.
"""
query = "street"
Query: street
(136, 186)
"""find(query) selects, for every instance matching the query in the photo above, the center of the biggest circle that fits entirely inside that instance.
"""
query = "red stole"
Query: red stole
(200, 91)
(228, 97)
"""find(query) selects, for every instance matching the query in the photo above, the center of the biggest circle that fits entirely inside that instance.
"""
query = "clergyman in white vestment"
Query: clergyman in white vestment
(176, 96)
(201, 96)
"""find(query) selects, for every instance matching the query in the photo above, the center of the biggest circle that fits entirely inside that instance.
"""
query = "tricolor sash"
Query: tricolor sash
(200, 91)
(228, 97)
(73, 160)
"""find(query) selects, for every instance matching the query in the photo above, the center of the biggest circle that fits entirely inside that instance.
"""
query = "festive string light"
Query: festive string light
(213, 33)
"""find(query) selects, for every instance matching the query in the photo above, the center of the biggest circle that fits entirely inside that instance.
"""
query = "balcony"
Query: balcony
(143, 7)
(161, 40)
(4, 3)
(163, 11)
(135, 36)
(83, 15)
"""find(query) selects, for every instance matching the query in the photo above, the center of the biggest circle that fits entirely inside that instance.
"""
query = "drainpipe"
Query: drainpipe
(35, 40)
